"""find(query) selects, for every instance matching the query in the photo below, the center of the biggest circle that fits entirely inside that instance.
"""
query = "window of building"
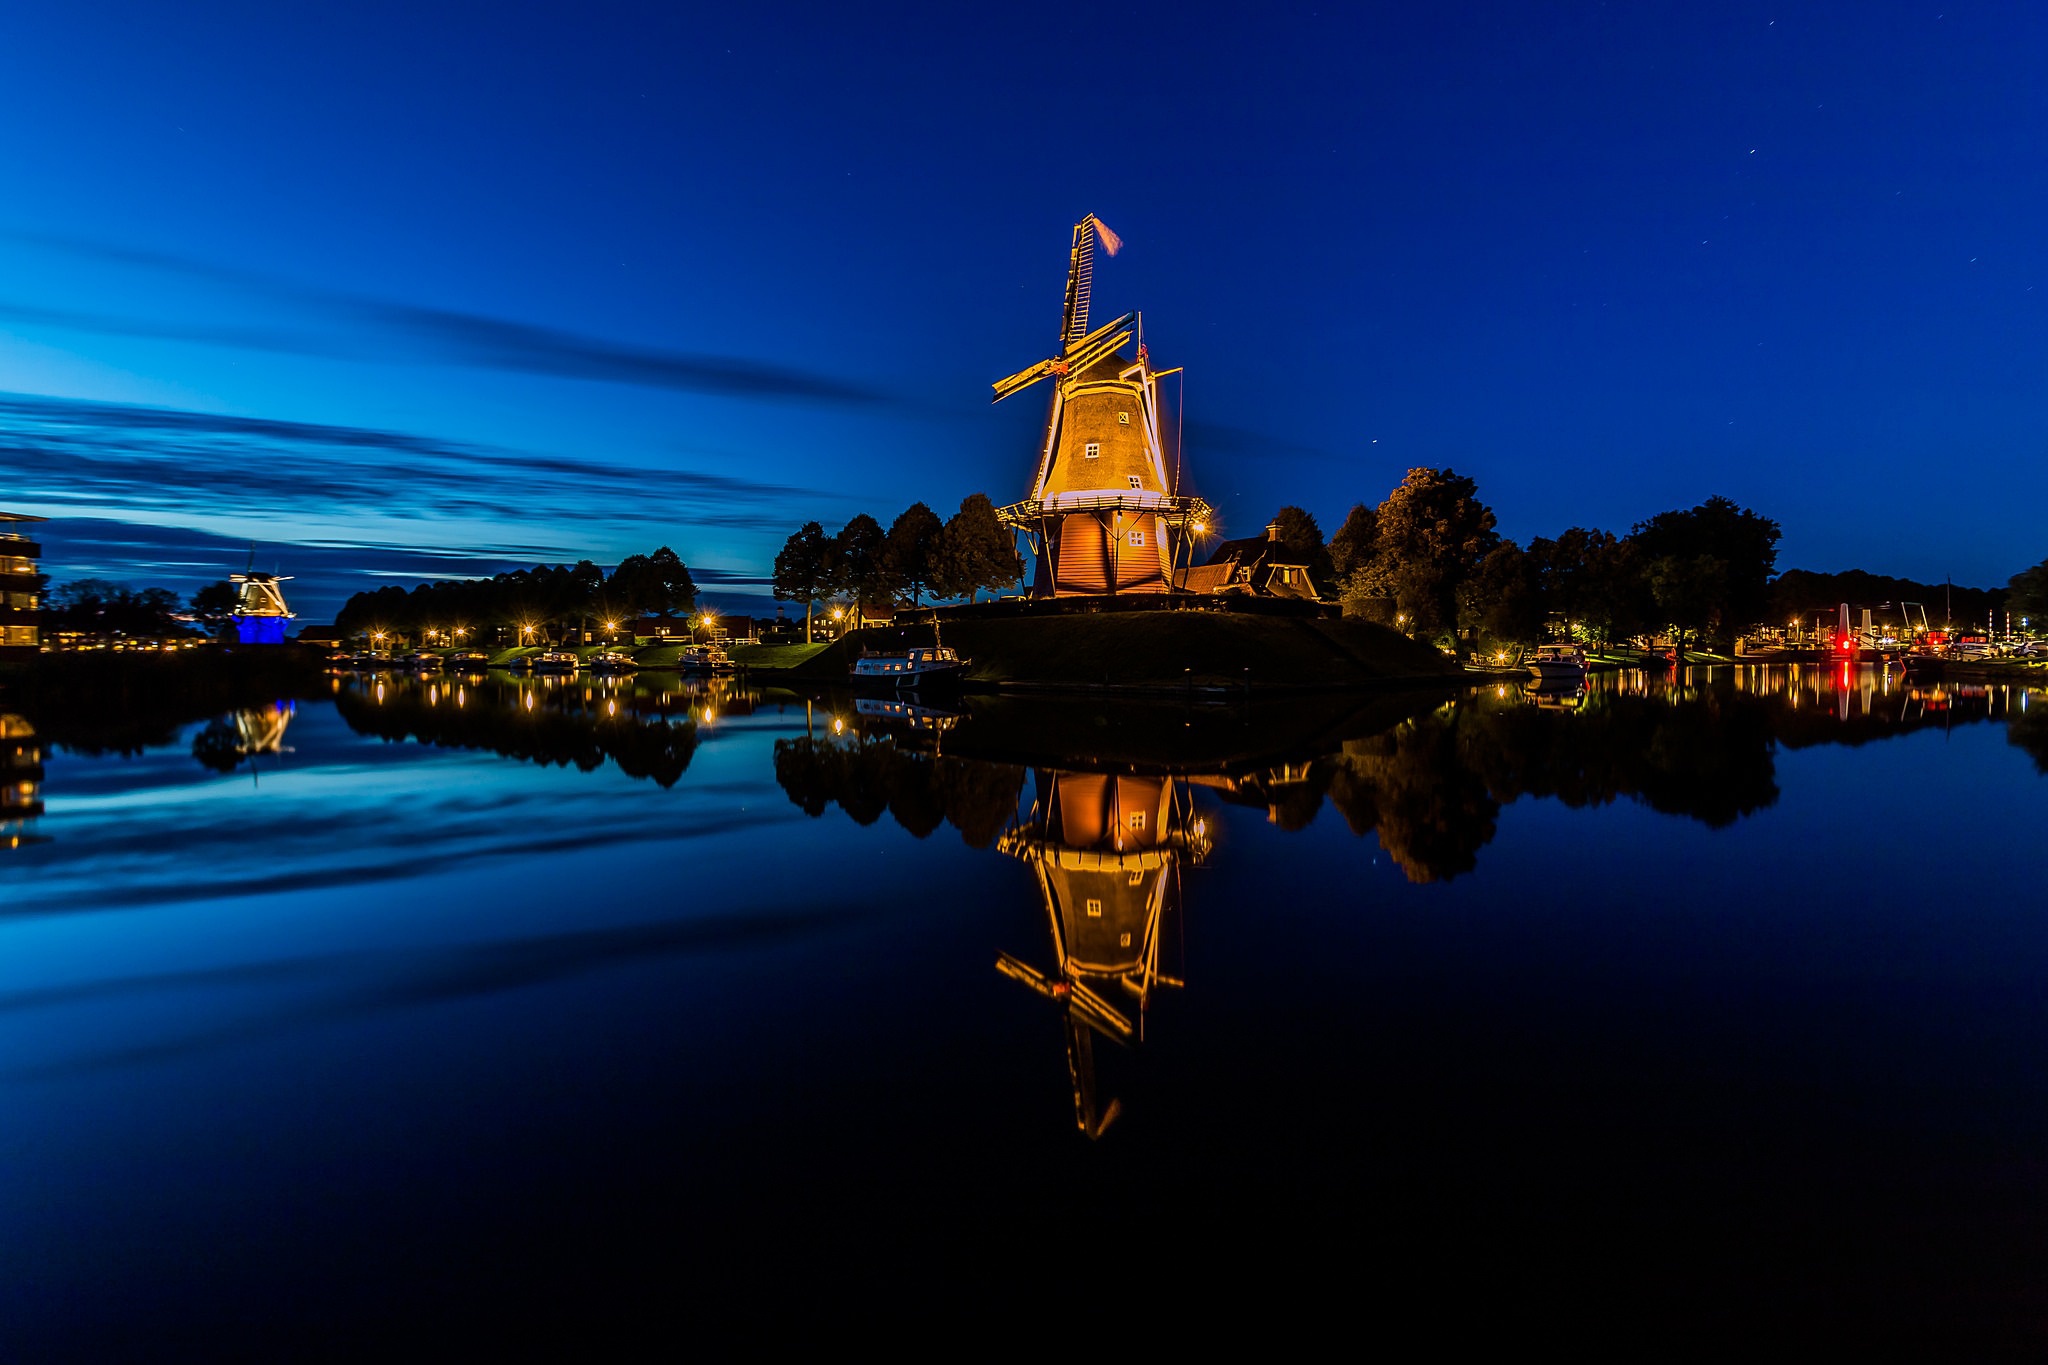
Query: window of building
(1123, 419)
(1136, 482)
(1137, 819)
(1137, 879)
(1137, 537)
(1094, 908)
(1124, 941)
(1093, 450)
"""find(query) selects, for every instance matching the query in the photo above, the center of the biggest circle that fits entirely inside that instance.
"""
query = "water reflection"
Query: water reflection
(646, 725)
(242, 737)
(1106, 850)
(21, 777)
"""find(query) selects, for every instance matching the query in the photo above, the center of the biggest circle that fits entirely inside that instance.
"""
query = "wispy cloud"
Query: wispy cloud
(73, 453)
(419, 333)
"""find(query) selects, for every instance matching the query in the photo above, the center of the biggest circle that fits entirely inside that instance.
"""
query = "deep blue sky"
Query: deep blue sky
(509, 281)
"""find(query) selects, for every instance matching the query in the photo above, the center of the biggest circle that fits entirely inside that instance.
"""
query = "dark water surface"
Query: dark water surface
(1717, 1010)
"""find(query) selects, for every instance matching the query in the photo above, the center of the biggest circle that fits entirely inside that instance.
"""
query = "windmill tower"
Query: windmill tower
(1105, 515)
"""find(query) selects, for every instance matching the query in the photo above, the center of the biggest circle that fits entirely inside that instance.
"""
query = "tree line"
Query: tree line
(1431, 552)
(918, 555)
(541, 602)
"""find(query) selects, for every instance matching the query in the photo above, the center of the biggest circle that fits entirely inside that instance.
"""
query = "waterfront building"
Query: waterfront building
(21, 606)
(1105, 514)
(1257, 566)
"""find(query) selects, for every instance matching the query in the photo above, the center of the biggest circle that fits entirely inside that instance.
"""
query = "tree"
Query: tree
(803, 569)
(108, 611)
(215, 603)
(1502, 601)
(1689, 592)
(858, 569)
(2029, 595)
(911, 552)
(976, 551)
(1355, 543)
(652, 585)
(1433, 533)
(1744, 542)
(1564, 571)
(1297, 530)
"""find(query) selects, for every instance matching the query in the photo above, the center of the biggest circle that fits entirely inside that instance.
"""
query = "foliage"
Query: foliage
(1297, 530)
(1690, 593)
(531, 605)
(2029, 593)
(803, 570)
(1745, 544)
(652, 585)
(1352, 548)
(216, 602)
(1503, 602)
(857, 566)
(977, 551)
(1433, 534)
(911, 553)
(106, 611)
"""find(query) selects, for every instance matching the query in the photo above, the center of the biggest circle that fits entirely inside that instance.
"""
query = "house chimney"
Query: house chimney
(1272, 530)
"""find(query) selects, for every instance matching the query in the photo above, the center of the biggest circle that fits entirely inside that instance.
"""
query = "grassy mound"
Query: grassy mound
(1152, 651)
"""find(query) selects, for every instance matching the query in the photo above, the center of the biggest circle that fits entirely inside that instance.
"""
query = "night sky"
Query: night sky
(415, 294)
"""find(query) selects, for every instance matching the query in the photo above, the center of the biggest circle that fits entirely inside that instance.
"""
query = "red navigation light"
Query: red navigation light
(1842, 645)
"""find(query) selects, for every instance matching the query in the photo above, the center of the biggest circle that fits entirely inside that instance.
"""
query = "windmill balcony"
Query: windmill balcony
(1174, 511)
(14, 544)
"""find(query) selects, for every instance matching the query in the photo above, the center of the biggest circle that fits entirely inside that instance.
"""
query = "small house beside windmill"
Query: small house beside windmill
(1105, 515)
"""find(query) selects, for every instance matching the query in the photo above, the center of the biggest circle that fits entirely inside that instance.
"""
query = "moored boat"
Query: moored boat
(612, 661)
(917, 668)
(557, 661)
(704, 659)
(1557, 663)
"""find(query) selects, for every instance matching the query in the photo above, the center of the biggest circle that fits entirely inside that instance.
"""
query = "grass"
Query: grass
(775, 658)
(1160, 651)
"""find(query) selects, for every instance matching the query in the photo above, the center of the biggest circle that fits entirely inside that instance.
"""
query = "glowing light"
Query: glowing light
(838, 726)
(1201, 528)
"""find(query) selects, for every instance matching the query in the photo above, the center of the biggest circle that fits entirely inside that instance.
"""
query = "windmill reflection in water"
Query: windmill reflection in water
(1107, 850)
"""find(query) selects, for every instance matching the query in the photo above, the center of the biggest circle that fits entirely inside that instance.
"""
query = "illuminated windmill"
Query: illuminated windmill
(1105, 515)
(261, 615)
(1107, 850)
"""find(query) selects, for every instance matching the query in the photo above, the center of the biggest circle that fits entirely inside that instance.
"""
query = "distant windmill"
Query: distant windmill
(1104, 515)
(261, 615)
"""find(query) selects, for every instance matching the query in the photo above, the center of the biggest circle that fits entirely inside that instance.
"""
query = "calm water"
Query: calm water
(490, 1007)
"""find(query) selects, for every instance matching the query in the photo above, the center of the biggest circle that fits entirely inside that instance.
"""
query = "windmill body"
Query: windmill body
(261, 616)
(1105, 515)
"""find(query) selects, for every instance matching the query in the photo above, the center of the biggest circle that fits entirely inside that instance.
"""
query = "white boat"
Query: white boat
(557, 661)
(908, 670)
(1557, 663)
(704, 659)
(612, 661)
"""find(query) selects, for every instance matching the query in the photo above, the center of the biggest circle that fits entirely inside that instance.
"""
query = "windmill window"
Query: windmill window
(1137, 538)
(1137, 879)
(1094, 908)
(1137, 819)
(1124, 941)
(1136, 482)
(1123, 419)
(1093, 450)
